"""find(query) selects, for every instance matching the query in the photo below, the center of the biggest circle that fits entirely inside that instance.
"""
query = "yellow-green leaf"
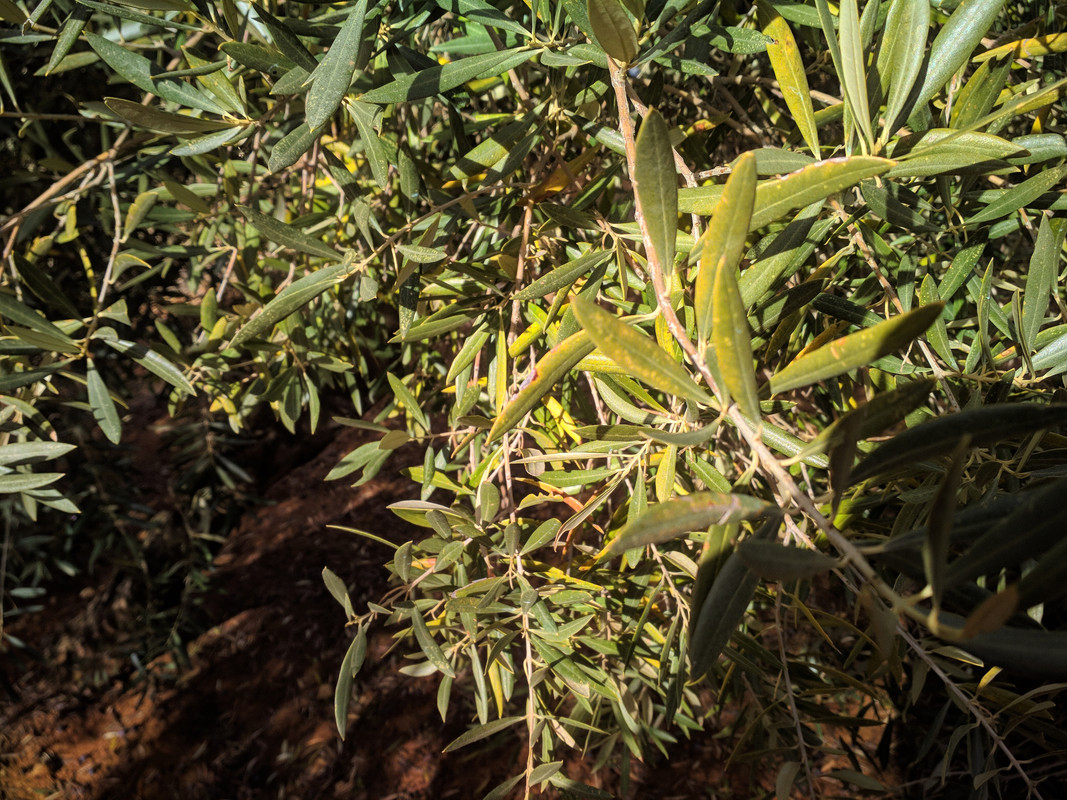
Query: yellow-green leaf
(556, 363)
(731, 339)
(789, 70)
(613, 29)
(724, 240)
(665, 521)
(774, 199)
(856, 350)
(637, 353)
(656, 186)
(853, 71)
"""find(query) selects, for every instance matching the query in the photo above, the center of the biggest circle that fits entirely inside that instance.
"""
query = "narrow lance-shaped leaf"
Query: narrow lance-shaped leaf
(104, 411)
(1041, 277)
(350, 667)
(732, 341)
(613, 29)
(665, 521)
(724, 240)
(855, 350)
(429, 645)
(901, 56)
(291, 299)
(636, 353)
(939, 436)
(16, 312)
(772, 561)
(774, 199)
(853, 72)
(939, 527)
(334, 73)
(656, 186)
(789, 70)
(546, 373)
(154, 363)
(435, 80)
(1020, 196)
(288, 235)
(954, 42)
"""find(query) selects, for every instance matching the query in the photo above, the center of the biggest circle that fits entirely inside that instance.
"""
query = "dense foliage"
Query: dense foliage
(799, 412)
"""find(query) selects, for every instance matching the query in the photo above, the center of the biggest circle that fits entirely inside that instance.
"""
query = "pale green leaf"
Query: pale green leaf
(901, 56)
(732, 340)
(104, 411)
(443, 78)
(656, 186)
(954, 42)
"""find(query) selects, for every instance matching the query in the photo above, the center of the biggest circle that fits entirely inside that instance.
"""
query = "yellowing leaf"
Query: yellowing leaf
(731, 338)
(789, 70)
(635, 352)
(724, 240)
(855, 350)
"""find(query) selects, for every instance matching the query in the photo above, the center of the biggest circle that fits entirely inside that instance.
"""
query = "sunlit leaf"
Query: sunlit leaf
(656, 185)
(855, 350)
(613, 29)
(330, 80)
(954, 42)
(665, 521)
(104, 411)
(635, 352)
(789, 70)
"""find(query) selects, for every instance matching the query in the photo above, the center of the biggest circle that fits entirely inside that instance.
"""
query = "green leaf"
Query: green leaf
(293, 145)
(17, 453)
(613, 29)
(563, 276)
(639, 355)
(853, 71)
(350, 666)
(943, 150)
(656, 186)
(1036, 653)
(1041, 277)
(332, 76)
(954, 42)
(104, 411)
(789, 70)
(444, 78)
(772, 561)
(158, 120)
(855, 350)
(696, 512)
(16, 482)
(731, 338)
(724, 240)
(1020, 196)
(481, 732)
(901, 56)
(428, 644)
(407, 399)
(16, 312)
(939, 526)
(141, 72)
(254, 56)
(285, 234)
(286, 40)
(154, 363)
(937, 334)
(720, 614)
(939, 436)
(209, 142)
(72, 28)
(291, 299)
(40, 283)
